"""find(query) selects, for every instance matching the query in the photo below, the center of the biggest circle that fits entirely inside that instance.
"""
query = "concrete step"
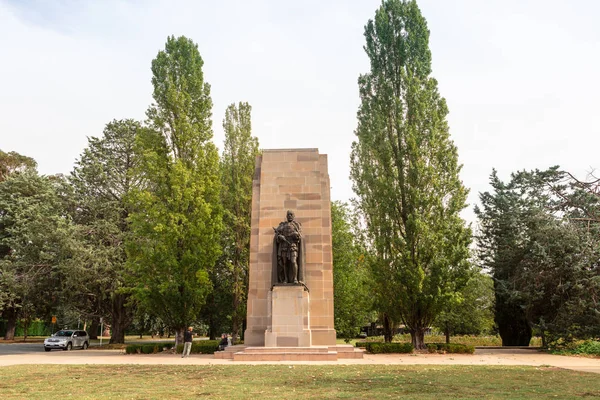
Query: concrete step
(355, 354)
(313, 349)
(227, 354)
(347, 351)
(285, 356)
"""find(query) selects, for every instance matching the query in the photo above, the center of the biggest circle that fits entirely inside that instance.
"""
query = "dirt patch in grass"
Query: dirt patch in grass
(294, 381)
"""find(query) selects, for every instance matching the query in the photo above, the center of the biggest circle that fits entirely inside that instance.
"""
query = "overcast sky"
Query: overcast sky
(521, 77)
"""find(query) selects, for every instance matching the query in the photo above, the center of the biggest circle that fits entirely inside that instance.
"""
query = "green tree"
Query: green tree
(472, 311)
(237, 172)
(406, 173)
(102, 179)
(176, 220)
(14, 162)
(351, 283)
(538, 236)
(501, 246)
(36, 236)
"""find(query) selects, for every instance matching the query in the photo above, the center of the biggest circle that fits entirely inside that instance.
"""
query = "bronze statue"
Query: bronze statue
(288, 252)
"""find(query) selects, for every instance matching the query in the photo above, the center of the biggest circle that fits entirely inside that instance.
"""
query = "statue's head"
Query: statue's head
(290, 216)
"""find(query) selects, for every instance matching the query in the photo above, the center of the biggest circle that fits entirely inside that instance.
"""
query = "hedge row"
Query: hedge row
(450, 348)
(202, 347)
(148, 348)
(380, 347)
(36, 328)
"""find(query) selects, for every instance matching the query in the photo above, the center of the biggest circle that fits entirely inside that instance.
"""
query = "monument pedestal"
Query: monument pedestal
(290, 317)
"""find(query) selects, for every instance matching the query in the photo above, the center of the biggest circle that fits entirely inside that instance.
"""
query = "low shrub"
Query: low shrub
(147, 348)
(379, 347)
(362, 345)
(132, 349)
(201, 347)
(589, 347)
(453, 348)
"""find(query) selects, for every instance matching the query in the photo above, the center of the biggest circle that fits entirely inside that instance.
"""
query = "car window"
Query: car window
(82, 333)
(64, 333)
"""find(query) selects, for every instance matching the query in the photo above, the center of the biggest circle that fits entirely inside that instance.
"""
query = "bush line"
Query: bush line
(148, 348)
(454, 348)
(394, 347)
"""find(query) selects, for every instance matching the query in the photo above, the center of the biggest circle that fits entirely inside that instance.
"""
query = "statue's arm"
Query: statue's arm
(278, 233)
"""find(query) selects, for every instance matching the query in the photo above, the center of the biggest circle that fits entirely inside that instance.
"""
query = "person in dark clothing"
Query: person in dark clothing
(187, 342)
(223, 343)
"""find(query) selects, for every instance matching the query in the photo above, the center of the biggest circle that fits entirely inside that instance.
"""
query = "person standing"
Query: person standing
(187, 342)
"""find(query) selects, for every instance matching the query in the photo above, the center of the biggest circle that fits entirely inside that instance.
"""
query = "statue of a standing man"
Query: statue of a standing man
(288, 249)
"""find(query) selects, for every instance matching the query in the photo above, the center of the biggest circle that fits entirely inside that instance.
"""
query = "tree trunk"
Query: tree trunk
(543, 335)
(388, 333)
(417, 337)
(447, 332)
(26, 323)
(513, 327)
(235, 329)
(93, 332)
(11, 323)
(120, 319)
(236, 317)
(179, 336)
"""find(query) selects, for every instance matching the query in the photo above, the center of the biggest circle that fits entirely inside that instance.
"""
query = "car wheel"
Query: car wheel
(69, 346)
(47, 348)
(85, 345)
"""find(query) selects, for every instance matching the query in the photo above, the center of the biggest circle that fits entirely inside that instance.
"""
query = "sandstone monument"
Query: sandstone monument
(296, 180)
(290, 293)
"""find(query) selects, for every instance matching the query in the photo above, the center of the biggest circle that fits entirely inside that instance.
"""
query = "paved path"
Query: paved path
(481, 357)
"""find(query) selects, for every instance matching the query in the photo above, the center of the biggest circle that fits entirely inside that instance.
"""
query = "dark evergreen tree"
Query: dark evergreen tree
(102, 179)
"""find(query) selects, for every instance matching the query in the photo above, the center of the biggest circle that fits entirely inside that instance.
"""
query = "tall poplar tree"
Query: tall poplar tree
(406, 173)
(237, 171)
(177, 217)
(225, 309)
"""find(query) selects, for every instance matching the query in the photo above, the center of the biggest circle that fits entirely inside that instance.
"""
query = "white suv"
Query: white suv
(67, 339)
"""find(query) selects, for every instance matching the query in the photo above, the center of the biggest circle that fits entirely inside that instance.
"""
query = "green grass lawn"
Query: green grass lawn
(291, 382)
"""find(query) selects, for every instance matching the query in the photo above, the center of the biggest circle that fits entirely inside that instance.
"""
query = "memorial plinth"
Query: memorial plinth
(289, 317)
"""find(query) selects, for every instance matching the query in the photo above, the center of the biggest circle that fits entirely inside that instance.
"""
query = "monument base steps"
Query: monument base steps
(229, 351)
(347, 351)
(313, 353)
